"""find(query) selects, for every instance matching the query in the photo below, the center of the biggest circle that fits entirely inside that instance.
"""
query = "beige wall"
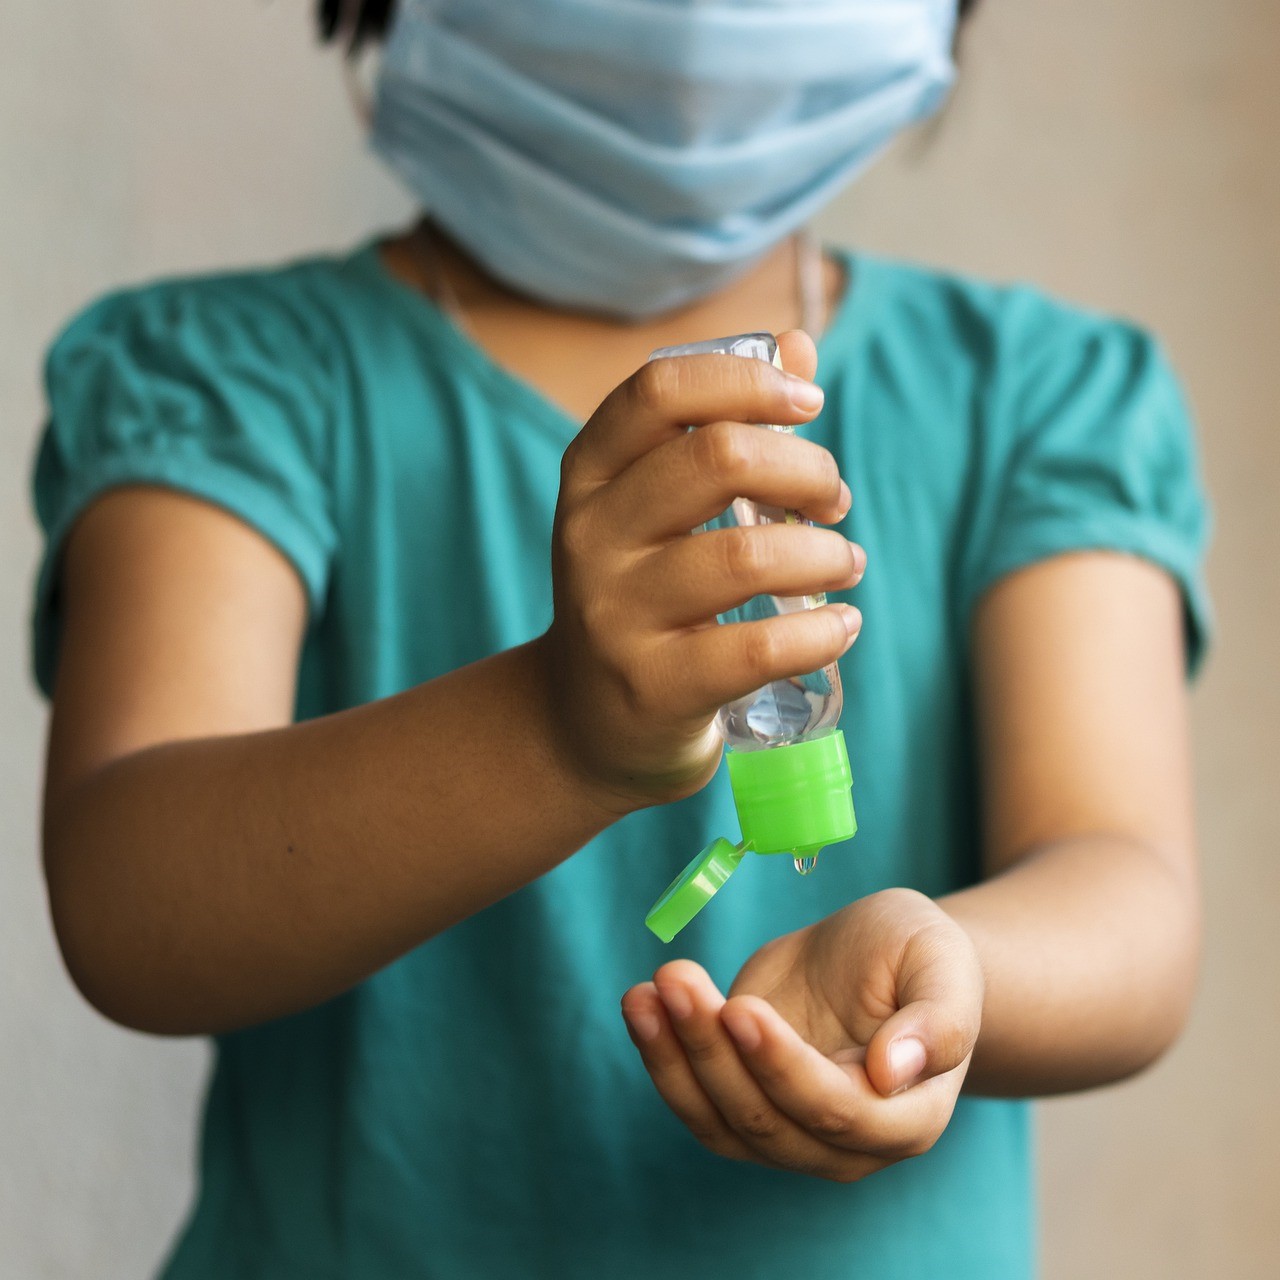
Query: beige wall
(1124, 154)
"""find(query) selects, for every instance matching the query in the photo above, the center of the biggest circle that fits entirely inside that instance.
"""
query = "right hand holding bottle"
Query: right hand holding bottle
(637, 661)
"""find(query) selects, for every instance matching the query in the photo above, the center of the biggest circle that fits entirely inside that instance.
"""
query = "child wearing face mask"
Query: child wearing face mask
(384, 670)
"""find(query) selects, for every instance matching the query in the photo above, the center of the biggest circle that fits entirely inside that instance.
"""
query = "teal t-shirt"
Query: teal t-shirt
(476, 1109)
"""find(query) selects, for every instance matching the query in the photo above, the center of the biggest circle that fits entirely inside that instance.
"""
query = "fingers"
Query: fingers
(749, 1086)
(664, 1058)
(834, 1101)
(706, 668)
(694, 579)
(798, 353)
(627, 731)
(664, 397)
(916, 1044)
(933, 1032)
(693, 1006)
(692, 478)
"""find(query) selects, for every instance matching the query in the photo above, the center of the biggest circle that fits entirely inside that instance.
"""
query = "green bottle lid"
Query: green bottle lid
(693, 888)
(796, 798)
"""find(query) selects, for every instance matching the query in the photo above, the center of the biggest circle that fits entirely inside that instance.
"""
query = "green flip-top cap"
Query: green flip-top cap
(693, 888)
(796, 798)
(792, 799)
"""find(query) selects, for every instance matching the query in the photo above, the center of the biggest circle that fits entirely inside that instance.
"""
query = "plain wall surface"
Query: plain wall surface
(1122, 155)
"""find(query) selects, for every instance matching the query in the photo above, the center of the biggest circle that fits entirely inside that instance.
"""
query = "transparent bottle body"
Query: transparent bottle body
(782, 711)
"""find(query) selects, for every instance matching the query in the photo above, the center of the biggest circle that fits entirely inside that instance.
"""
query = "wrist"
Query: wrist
(607, 804)
(974, 937)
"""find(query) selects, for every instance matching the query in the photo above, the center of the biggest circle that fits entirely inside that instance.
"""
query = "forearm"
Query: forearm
(1089, 948)
(205, 885)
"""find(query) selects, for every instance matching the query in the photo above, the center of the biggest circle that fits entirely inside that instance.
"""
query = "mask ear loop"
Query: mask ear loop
(439, 285)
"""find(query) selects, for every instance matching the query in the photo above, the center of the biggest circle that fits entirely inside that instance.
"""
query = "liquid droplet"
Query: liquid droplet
(805, 865)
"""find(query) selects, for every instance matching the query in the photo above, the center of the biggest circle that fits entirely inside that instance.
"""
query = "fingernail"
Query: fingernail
(678, 1002)
(906, 1061)
(846, 499)
(852, 620)
(744, 1029)
(859, 559)
(644, 1026)
(804, 394)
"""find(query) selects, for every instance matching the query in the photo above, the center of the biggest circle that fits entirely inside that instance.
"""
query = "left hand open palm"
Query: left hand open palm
(841, 1048)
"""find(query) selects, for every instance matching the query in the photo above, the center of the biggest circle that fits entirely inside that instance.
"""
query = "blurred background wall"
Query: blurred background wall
(1126, 155)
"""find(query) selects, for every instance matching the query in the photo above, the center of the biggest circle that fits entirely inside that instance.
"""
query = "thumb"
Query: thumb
(933, 1031)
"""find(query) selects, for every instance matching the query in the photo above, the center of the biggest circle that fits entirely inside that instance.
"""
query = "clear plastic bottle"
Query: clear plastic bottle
(783, 711)
(787, 760)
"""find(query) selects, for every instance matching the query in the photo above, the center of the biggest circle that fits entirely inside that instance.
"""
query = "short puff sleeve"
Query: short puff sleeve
(1098, 453)
(216, 388)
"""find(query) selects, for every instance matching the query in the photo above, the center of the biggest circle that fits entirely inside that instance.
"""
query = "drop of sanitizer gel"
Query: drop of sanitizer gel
(805, 865)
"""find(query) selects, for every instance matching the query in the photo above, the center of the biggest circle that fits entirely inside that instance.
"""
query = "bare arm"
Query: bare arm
(1088, 930)
(842, 1047)
(211, 865)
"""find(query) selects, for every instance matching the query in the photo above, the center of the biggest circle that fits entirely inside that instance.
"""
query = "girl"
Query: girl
(384, 671)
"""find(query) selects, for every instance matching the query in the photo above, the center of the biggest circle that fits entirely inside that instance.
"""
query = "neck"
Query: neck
(576, 357)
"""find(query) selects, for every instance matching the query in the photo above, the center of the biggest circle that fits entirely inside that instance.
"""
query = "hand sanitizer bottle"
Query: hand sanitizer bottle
(787, 761)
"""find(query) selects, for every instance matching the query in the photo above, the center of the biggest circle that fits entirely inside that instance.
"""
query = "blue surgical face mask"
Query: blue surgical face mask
(629, 156)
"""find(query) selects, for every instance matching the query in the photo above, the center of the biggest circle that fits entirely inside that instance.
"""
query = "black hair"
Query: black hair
(370, 19)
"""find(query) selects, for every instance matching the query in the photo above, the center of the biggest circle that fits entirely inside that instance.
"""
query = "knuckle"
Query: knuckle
(574, 535)
(723, 450)
(645, 707)
(655, 384)
(760, 1124)
(702, 1050)
(569, 460)
(745, 556)
(639, 695)
(830, 1125)
(760, 648)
